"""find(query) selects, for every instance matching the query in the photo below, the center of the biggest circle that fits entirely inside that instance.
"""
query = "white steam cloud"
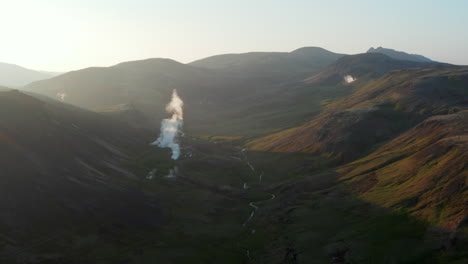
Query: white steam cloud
(170, 128)
(349, 79)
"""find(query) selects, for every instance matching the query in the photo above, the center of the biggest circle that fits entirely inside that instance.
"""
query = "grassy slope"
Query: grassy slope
(422, 171)
(374, 113)
(404, 203)
(265, 113)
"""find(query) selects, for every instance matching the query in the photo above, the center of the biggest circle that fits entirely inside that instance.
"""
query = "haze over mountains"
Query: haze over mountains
(15, 76)
(306, 156)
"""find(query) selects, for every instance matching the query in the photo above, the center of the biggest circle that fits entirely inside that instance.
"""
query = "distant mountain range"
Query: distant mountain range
(260, 65)
(271, 65)
(16, 76)
(222, 86)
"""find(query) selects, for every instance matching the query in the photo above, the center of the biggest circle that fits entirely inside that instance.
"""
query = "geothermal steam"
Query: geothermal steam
(170, 128)
(349, 79)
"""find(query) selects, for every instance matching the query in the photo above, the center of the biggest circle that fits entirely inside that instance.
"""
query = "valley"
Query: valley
(283, 160)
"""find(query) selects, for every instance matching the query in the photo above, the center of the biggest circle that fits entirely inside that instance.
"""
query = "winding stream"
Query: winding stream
(252, 204)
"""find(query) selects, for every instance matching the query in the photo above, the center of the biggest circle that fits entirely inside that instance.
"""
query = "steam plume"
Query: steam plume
(170, 128)
(349, 79)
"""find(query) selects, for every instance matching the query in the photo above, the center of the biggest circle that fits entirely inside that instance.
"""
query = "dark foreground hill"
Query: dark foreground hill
(62, 171)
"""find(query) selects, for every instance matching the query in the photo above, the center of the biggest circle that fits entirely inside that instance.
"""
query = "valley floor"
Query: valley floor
(222, 204)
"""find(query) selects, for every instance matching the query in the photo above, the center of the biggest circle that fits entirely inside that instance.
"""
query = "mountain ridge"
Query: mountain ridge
(401, 55)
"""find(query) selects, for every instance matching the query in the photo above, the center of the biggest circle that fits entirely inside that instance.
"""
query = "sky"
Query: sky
(63, 35)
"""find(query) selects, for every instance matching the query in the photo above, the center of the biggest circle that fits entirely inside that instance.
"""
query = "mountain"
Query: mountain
(396, 147)
(271, 65)
(362, 67)
(143, 87)
(422, 171)
(101, 87)
(375, 112)
(16, 76)
(217, 96)
(399, 55)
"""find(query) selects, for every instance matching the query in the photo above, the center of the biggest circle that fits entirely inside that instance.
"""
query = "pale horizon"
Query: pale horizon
(61, 36)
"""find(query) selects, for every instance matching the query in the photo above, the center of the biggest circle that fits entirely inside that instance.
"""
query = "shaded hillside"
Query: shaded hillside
(139, 82)
(15, 76)
(62, 170)
(375, 112)
(362, 67)
(399, 55)
(146, 84)
(423, 171)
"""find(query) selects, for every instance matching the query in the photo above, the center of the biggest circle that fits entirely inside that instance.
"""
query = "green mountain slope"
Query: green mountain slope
(422, 171)
(374, 113)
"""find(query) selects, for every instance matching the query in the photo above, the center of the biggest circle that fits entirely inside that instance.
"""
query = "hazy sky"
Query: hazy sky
(61, 35)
